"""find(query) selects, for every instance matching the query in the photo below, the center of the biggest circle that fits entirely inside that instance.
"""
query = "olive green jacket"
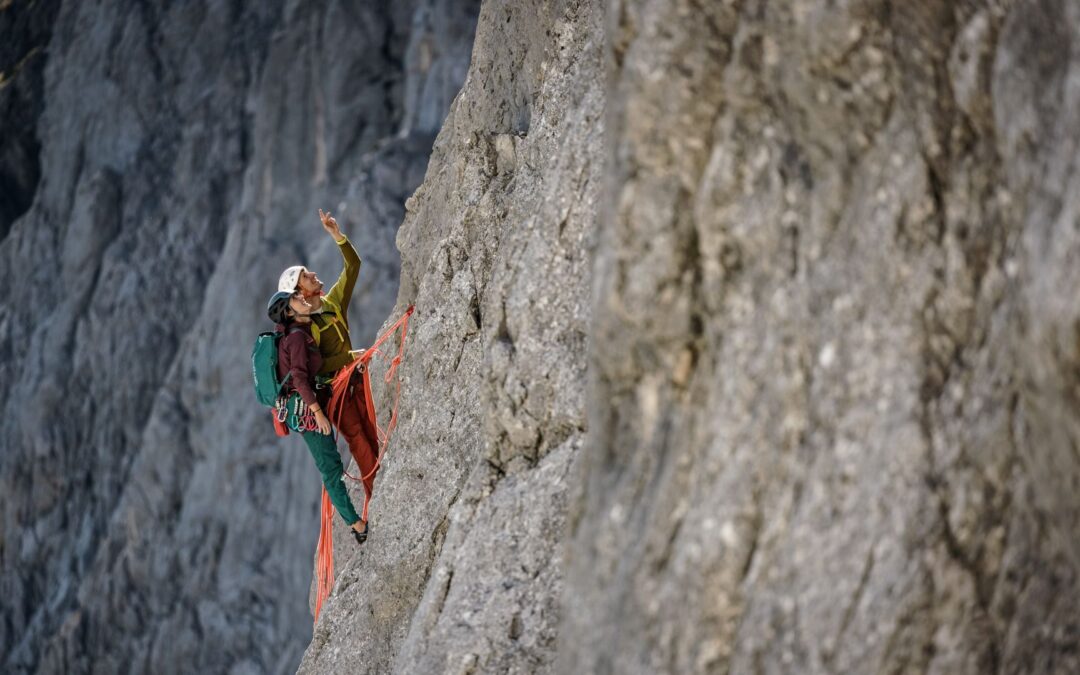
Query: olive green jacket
(330, 327)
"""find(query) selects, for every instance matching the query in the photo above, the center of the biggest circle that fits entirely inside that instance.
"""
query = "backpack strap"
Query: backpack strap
(340, 320)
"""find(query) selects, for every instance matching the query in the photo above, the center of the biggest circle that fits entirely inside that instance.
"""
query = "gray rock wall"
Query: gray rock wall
(151, 522)
(745, 339)
(832, 346)
(22, 80)
(833, 414)
(462, 570)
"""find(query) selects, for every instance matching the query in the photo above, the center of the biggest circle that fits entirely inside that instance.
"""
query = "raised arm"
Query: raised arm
(341, 292)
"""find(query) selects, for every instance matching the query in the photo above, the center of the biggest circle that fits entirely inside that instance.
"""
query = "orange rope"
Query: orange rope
(339, 387)
(324, 552)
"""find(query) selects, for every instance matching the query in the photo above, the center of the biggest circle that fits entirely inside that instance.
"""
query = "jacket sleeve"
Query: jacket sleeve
(297, 350)
(342, 290)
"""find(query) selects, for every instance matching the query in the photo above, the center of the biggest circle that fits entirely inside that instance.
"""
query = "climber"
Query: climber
(302, 403)
(330, 330)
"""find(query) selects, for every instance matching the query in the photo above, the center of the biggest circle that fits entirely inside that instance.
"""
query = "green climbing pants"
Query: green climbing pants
(324, 451)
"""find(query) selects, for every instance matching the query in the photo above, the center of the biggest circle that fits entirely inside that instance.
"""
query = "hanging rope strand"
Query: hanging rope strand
(324, 552)
(339, 389)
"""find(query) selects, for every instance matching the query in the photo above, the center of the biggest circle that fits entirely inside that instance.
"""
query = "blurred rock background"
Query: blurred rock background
(160, 164)
(834, 416)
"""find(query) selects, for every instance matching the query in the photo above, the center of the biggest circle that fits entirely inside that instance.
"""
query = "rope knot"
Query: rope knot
(394, 363)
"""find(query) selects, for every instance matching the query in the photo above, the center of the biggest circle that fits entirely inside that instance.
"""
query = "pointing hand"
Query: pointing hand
(330, 225)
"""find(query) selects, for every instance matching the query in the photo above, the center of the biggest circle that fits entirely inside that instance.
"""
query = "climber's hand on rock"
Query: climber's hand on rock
(330, 225)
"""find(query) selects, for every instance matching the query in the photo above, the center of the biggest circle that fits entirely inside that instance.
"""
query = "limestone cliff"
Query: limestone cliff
(160, 164)
(827, 297)
(834, 414)
(746, 336)
(462, 570)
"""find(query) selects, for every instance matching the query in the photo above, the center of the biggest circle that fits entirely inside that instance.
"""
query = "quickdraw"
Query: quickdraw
(306, 422)
(294, 414)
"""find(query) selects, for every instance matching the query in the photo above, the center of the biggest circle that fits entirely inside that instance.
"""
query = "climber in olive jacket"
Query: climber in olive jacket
(298, 361)
(330, 323)
(330, 330)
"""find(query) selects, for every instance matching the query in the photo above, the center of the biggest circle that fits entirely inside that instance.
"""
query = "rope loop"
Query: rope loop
(324, 553)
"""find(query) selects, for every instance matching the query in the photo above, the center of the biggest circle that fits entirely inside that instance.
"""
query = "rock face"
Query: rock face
(462, 571)
(22, 70)
(833, 350)
(158, 168)
(833, 414)
(746, 337)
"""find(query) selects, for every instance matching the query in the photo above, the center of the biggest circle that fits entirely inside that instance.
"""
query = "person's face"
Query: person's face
(308, 283)
(299, 304)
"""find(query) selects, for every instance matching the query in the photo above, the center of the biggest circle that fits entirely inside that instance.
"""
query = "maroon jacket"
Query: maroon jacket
(298, 354)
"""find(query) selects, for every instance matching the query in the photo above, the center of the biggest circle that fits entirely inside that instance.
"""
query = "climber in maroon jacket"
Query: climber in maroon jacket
(306, 401)
(330, 328)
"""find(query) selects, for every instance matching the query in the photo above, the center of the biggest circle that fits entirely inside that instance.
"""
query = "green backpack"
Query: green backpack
(264, 368)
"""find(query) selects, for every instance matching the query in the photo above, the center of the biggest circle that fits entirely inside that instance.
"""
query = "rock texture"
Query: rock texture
(158, 168)
(746, 336)
(832, 346)
(833, 415)
(462, 571)
(22, 75)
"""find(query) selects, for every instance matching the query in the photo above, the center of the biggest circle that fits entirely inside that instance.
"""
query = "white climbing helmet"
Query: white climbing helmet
(289, 278)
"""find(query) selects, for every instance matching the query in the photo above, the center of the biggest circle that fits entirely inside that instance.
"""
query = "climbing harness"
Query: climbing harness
(324, 552)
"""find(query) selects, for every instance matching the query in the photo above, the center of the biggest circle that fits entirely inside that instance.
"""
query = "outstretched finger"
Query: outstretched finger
(322, 216)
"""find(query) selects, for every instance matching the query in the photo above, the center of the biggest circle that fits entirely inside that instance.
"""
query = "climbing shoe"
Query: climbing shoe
(360, 537)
